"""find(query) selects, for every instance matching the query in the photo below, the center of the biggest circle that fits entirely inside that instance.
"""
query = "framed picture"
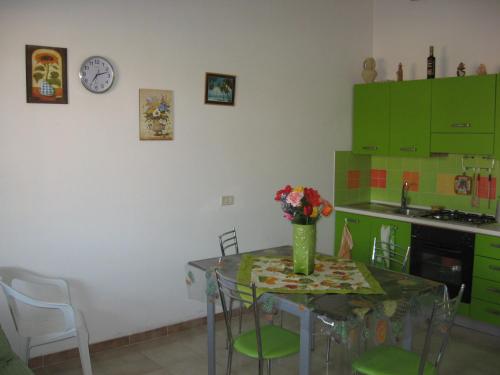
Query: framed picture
(46, 75)
(156, 115)
(219, 89)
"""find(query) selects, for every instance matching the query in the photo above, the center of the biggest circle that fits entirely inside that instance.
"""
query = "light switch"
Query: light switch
(227, 200)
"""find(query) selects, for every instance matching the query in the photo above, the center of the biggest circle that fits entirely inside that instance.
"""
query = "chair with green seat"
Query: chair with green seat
(265, 342)
(393, 360)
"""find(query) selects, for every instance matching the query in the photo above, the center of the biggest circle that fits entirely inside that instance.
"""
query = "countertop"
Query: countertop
(386, 211)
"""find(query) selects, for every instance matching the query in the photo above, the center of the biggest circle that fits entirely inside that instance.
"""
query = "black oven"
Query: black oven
(443, 255)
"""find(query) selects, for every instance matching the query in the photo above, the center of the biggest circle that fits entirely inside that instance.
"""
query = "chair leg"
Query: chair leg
(241, 317)
(261, 367)
(229, 360)
(268, 367)
(328, 349)
(82, 337)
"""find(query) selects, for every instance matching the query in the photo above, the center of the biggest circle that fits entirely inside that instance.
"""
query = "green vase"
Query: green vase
(304, 248)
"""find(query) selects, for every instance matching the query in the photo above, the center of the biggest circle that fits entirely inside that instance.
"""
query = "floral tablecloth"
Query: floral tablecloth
(331, 275)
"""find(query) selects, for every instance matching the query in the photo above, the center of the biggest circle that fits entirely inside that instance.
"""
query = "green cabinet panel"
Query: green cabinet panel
(410, 118)
(402, 234)
(487, 268)
(487, 246)
(485, 311)
(486, 290)
(464, 104)
(371, 119)
(359, 226)
(497, 121)
(479, 144)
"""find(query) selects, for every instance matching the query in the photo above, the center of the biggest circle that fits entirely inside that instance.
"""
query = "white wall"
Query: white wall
(460, 30)
(83, 198)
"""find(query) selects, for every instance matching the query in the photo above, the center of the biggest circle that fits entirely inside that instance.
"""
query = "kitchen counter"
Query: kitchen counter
(388, 211)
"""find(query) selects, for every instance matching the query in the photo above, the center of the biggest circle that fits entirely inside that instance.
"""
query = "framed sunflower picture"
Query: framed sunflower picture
(46, 75)
(156, 115)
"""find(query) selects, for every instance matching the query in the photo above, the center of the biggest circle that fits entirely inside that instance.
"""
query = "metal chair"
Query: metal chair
(42, 312)
(393, 360)
(264, 343)
(227, 241)
(386, 255)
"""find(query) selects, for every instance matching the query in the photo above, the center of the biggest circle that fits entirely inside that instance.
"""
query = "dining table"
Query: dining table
(402, 297)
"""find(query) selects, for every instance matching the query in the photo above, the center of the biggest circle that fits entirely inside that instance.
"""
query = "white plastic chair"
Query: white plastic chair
(42, 312)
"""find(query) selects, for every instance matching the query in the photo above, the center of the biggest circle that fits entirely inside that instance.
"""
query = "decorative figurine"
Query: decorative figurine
(399, 73)
(481, 70)
(461, 70)
(369, 73)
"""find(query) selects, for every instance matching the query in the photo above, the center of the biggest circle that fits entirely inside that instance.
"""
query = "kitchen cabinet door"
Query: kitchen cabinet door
(497, 121)
(402, 235)
(410, 118)
(360, 227)
(371, 119)
(464, 105)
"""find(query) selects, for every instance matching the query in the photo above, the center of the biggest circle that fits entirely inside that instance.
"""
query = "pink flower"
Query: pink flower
(288, 216)
(294, 198)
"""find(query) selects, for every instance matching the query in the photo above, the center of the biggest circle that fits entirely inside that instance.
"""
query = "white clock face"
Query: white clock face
(96, 74)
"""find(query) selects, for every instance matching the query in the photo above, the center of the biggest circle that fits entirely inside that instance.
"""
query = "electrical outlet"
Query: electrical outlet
(227, 200)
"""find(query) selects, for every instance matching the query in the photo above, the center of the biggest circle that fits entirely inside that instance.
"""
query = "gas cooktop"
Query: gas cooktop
(460, 217)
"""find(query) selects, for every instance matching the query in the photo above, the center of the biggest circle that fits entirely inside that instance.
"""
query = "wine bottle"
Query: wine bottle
(431, 64)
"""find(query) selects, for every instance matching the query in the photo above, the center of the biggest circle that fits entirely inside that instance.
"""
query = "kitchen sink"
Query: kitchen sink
(412, 212)
(388, 209)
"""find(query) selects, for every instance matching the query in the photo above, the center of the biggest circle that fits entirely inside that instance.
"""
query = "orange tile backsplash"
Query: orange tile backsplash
(353, 179)
(483, 188)
(378, 178)
(413, 180)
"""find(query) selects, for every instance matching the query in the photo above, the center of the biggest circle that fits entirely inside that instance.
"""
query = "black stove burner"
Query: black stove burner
(461, 217)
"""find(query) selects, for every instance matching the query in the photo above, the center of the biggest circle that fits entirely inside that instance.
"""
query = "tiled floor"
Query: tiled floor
(184, 353)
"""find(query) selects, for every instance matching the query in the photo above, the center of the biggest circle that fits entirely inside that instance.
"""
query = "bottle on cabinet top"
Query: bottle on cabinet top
(431, 64)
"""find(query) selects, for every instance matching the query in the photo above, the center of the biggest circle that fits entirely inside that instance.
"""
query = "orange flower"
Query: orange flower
(327, 209)
(46, 58)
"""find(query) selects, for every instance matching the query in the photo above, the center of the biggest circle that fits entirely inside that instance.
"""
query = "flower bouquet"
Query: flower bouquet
(303, 206)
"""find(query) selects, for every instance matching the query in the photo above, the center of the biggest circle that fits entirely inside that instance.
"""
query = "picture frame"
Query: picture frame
(220, 89)
(46, 75)
(156, 115)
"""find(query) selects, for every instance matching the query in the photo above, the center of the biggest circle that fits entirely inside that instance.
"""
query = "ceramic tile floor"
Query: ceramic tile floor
(184, 353)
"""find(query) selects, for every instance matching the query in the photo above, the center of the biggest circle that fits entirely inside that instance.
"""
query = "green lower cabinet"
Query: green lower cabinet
(359, 226)
(486, 290)
(363, 231)
(485, 311)
(487, 268)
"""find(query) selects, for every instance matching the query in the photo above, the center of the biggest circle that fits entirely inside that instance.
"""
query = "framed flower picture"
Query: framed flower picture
(156, 114)
(46, 75)
(219, 89)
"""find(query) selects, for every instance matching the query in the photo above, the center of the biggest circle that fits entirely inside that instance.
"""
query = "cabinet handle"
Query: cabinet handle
(493, 290)
(495, 245)
(353, 221)
(494, 268)
(461, 125)
(372, 148)
(408, 149)
(493, 311)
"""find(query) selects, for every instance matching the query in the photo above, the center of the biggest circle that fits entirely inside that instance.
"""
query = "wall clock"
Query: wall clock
(97, 74)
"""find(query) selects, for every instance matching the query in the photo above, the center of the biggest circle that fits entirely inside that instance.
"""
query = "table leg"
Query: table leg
(305, 342)
(211, 336)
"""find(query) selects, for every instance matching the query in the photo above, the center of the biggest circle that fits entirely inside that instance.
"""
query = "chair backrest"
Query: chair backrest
(230, 290)
(31, 297)
(441, 322)
(386, 254)
(227, 241)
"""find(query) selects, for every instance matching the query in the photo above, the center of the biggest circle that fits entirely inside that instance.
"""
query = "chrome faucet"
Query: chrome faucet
(404, 195)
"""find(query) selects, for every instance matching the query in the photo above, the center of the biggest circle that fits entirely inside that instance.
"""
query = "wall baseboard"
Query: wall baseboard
(58, 357)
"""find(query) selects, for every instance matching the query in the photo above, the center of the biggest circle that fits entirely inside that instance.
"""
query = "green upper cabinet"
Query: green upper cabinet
(463, 104)
(371, 119)
(410, 118)
(360, 227)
